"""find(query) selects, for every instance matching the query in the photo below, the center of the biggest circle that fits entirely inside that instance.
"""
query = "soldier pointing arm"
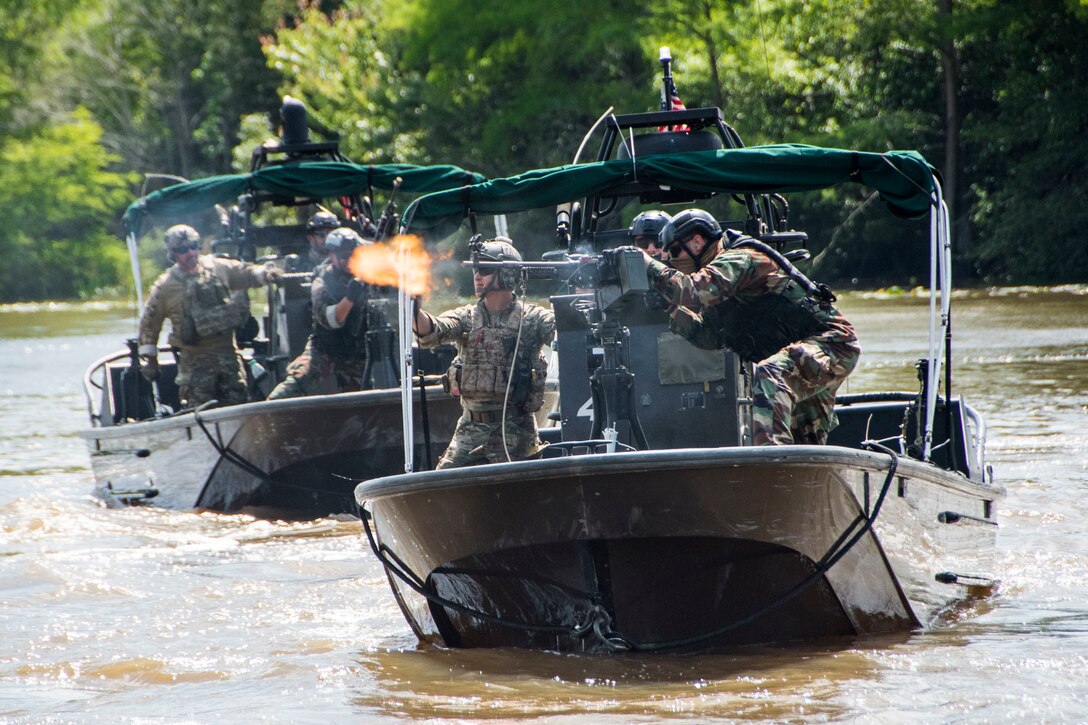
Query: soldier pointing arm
(194, 294)
(499, 371)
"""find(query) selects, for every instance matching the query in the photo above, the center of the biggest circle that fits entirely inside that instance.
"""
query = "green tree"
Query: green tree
(59, 200)
(171, 80)
(343, 66)
(1026, 138)
(23, 25)
(519, 85)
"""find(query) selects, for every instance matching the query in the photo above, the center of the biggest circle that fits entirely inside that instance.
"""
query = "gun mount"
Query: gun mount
(673, 129)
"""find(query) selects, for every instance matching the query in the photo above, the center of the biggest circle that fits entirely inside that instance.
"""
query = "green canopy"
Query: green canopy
(903, 178)
(314, 179)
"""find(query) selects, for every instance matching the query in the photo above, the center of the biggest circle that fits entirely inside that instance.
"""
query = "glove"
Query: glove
(150, 369)
(684, 322)
(356, 292)
(272, 275)
(614, 255)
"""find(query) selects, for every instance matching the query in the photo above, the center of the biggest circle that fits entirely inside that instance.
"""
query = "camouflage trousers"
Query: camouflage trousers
(204, 376)
(793, 391)
(315, 372)
(474, 442)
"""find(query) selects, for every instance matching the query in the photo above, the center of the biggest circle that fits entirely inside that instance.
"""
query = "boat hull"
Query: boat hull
(706, 548)
(302, 455)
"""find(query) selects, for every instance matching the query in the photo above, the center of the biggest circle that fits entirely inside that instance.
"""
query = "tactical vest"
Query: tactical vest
(758, 329)
(485, 368)
(207, 306)
(348, 340)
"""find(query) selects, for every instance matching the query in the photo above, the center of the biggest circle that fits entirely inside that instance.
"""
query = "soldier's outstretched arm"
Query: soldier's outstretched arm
(421, 321)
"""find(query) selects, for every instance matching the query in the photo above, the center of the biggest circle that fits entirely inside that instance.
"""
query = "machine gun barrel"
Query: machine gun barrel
(615, 274)
(539, 270)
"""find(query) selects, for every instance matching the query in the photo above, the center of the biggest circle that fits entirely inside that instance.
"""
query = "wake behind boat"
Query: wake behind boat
(303, 455)
(651, 523)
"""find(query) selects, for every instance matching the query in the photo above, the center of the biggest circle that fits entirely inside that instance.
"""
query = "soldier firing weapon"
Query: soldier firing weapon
(617, 277)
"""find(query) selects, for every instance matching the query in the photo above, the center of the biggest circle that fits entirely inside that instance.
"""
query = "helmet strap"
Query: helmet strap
(493, 284)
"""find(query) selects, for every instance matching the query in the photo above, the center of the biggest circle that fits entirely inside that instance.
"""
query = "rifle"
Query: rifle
(388, 222)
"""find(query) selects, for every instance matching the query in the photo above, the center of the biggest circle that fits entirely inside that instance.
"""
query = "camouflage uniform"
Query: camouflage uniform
(334, 358)
(203, 315)
(480, 374)
(794, 387)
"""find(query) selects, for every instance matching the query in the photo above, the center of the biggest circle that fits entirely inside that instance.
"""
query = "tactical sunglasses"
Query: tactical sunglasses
(675, 246)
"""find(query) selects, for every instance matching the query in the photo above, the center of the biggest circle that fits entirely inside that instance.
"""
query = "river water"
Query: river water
(148, 615)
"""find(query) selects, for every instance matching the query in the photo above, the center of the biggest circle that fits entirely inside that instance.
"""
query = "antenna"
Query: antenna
(667, 87)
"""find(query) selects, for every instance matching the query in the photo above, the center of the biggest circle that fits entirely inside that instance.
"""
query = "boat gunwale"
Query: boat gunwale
(532, 471)
(246, 410)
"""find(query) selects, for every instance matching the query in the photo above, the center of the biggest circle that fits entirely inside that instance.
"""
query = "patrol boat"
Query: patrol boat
(301, 457)
(651, 523)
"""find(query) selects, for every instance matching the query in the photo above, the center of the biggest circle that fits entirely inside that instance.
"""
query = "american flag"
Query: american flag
(675, 104)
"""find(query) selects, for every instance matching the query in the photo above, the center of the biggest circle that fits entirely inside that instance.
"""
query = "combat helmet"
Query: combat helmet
(342, 241)
(649, 224)
(322, 221)
(687, 223)
(500, 249)
(180, 235)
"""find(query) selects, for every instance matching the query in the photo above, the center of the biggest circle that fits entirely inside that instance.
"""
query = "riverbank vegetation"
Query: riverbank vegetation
(94, 94)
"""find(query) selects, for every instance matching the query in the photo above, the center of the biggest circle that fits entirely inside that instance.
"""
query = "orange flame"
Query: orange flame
(383, 264)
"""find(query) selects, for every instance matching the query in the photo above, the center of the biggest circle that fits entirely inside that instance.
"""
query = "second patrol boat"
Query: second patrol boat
(301, 457)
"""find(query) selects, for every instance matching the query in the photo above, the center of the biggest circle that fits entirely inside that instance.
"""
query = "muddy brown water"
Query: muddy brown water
(147, 615)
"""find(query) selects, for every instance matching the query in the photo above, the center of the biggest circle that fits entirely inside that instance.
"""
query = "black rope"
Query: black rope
(229, 454)
(834, 553)
(599, 622)
(416, 584)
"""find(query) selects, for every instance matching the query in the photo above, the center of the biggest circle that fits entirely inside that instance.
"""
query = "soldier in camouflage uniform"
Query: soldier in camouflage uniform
(195, 295)
(334, 359)
(646, 230)
(497, 391)
(733, 291)
(318, 229)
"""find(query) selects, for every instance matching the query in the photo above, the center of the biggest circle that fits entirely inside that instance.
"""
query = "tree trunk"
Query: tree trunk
(712, 56)
(950, 66)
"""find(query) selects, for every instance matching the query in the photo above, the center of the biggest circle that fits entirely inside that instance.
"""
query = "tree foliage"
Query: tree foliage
(993, 93)
(1028, 129)
(59, 201)
(171, 80)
